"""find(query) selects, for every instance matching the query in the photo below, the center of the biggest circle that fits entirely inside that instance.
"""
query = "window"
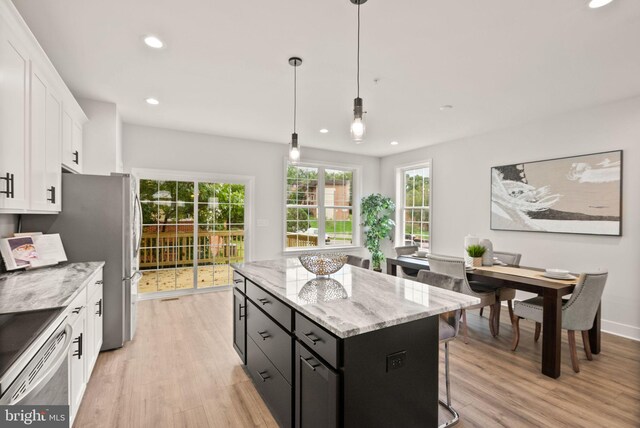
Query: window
(319, 207)
(192, 231)
(414, 201)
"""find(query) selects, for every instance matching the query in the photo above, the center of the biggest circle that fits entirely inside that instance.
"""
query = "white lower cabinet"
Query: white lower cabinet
(85, 317)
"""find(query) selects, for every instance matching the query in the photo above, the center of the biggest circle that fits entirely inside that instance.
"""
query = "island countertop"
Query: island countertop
(354, 300)
(44, 288)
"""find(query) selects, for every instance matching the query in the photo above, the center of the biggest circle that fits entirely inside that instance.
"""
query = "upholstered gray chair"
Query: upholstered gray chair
(404, 251)
(358, 261)
(448, 327)
(578, 313)
(503, 293)
(454, 266)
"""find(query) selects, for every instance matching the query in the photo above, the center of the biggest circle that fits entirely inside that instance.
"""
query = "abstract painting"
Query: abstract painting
(579, 194)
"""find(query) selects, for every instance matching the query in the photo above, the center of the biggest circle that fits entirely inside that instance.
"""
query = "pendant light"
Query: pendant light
(357, 126)
(294, 149)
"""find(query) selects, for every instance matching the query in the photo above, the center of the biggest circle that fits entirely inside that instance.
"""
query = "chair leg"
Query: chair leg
(573, 351)
(464, 329)
(447, 405)
(481, 310)
(497, 317)
(515, 323)
(536, 335)
(586, 344)
(510, 305)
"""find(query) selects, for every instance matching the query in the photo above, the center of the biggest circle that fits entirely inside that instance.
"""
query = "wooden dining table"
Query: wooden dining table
(552, 292)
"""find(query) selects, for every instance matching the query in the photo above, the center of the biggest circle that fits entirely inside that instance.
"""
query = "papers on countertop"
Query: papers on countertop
(32, 250)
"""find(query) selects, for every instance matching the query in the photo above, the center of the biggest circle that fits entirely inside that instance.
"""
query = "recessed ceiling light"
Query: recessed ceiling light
(324, 130)
(446, 107)
(153, 42)
(152, 101)
(394, 143)
(594, 4)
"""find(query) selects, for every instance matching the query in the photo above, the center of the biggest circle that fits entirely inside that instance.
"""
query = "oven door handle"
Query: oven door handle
(43, 378)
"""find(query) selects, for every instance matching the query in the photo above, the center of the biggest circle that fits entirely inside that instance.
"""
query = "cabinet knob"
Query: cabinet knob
(52, 190)
(10, 190)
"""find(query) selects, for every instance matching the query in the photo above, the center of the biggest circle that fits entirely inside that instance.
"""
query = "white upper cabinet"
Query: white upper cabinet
(40, 122)
(14, 105)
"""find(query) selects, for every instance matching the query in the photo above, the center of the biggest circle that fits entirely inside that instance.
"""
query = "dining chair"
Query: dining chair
(578, 313)
(404, 251)
(455, 267)
(503, 293)
(358, 261)
(448, 327)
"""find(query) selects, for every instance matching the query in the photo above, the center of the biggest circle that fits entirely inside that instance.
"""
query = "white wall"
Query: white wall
(102, 145)
(8, 225)
(155, 148)
(461, 193)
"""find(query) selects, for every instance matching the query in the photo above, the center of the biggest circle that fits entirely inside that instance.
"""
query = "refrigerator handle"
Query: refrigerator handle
(139, 208)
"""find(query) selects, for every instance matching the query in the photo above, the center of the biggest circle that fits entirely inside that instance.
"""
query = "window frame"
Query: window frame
(401, 200)
(356, 189)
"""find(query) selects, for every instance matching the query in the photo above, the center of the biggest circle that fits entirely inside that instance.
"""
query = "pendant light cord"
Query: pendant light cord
(358, 62)
(295, 94)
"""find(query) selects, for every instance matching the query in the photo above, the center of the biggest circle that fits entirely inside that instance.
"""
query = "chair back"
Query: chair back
(451, 266)
(512, 259)
(578, 313)
(358, 261)
(448, 283)
(406, 250)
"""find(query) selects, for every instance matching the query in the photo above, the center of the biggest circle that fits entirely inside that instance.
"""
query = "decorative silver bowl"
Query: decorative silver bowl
(322, 290)
(323, 264)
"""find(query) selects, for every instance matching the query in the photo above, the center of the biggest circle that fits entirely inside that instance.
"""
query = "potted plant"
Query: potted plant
(476, 252)
(376, 219)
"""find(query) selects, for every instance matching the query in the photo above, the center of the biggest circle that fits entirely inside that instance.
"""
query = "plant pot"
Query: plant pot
(377, 269)
(477, 262)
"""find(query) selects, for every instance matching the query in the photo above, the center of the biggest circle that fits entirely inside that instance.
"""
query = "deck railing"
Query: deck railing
(301, 240)
(171, 249)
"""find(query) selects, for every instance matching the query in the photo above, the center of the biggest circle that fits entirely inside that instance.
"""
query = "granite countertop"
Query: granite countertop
(353, 300)
(44, 288)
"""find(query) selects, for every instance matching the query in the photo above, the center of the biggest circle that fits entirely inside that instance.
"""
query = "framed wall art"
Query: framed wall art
(578, 194)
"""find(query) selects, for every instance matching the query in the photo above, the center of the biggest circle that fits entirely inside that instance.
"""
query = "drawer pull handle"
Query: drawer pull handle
(52, 190)
(312, 338)
(78, 352)
(263, 375)
(240, 314)
(264, 335)
(311, 366)
(76, 157)
(99, 282)
(263, 301)
(77, 310)
(238, 281)
(99, 305)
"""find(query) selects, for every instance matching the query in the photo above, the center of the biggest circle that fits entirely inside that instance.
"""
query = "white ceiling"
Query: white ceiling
(224, 70)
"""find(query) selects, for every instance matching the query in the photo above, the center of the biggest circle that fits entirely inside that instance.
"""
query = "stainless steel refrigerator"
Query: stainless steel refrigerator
(100, 221)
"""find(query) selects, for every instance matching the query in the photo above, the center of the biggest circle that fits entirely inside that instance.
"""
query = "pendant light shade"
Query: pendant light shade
(294, 147)
(357, 125)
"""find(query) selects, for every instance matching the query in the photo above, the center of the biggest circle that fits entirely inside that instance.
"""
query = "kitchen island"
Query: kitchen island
(357, 349)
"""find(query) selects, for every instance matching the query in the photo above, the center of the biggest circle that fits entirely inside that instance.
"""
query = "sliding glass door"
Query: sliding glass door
(192, 232)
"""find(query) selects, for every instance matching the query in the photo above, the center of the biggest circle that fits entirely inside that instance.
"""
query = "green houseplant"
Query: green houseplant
(376, 219)
(476, 252)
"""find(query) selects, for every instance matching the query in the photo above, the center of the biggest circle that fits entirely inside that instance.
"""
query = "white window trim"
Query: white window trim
(246, 180)
(400, 199)
(356, 196)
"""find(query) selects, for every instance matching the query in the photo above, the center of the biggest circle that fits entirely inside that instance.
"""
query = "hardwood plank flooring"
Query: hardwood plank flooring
(181, 371)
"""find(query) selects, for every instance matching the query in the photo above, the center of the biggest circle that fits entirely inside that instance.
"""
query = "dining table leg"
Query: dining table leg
(594, 333)
(392, 268)
(551, 333)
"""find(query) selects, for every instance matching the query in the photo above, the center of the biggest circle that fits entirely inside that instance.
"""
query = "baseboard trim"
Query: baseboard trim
(622, 330)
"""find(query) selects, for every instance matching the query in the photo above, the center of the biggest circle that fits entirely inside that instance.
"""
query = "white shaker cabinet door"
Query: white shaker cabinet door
(14, 83)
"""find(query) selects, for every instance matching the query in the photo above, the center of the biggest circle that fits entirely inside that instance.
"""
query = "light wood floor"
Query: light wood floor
(181, 371)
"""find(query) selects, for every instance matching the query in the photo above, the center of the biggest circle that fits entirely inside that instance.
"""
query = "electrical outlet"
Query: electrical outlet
(396, 361)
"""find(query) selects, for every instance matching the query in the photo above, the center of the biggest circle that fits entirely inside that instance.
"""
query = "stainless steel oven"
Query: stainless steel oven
(42, 372)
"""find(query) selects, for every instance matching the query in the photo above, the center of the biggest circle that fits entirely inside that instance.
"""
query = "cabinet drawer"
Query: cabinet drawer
(77, 307)
(271, 339)
(318, 340)
(272, 306)
(273, 388)
(96, 282)
(238, 282)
